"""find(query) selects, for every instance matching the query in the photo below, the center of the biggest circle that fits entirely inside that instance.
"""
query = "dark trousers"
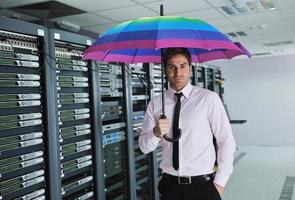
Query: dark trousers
(171, 190)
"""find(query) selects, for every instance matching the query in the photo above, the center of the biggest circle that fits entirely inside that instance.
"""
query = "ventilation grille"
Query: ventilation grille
(280, 43)
(236, 34)
(262, 54)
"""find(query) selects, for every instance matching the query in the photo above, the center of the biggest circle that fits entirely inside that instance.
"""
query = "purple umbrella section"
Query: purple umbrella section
(154, 56)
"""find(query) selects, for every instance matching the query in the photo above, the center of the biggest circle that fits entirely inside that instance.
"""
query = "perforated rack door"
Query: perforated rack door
(140, 98)
(156, 78)
(75, 127)
(22, 163)
(114, 131)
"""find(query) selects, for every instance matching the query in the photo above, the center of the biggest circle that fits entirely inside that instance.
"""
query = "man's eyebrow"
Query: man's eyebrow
(185, 63)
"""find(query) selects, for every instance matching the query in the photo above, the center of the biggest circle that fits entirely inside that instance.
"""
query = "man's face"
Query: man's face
(178, 72)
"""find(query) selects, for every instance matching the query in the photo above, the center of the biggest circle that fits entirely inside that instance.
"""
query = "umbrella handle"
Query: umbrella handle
(172, 139)
(168, 138)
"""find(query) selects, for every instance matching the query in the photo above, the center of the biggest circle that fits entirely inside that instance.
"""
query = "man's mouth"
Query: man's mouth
(177, 78)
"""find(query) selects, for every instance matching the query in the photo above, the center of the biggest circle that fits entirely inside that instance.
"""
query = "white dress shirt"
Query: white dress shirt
(202, 114)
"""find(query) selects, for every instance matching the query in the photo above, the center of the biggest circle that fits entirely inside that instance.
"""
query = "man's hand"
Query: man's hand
(219, 189)
(162, 127)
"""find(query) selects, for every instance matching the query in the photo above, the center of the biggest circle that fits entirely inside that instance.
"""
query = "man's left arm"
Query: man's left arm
(225, 141)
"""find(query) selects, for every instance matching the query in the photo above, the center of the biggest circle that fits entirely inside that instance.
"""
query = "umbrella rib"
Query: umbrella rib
(106, 54)
(134, 55)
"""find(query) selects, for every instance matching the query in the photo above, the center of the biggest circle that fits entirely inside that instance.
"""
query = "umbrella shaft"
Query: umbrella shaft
(162, 77)
(162, 68)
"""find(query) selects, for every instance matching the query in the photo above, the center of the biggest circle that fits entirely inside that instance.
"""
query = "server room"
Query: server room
(147, 99)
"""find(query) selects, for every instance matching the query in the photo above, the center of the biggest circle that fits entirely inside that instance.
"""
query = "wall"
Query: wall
(262, 91)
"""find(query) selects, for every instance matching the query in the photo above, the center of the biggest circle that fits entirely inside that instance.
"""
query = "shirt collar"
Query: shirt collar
(185, 91)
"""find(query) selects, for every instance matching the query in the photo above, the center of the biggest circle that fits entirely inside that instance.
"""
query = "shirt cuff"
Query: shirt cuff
(154, 139)
(220, 180)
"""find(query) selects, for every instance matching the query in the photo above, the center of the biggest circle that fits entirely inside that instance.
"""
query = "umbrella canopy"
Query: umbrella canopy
(154, 56)
(162, 32)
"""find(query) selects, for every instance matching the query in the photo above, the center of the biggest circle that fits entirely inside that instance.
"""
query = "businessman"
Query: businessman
(197, 114)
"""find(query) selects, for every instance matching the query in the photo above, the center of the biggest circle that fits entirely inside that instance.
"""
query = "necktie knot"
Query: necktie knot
(178, 95)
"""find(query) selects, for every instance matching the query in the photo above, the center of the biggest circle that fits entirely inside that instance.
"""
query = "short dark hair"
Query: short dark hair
(170, 52)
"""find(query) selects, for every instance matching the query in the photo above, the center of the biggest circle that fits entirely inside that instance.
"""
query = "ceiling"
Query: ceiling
(264, 33)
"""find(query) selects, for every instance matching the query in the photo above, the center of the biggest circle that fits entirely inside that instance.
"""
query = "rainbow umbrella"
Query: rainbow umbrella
(144, 40)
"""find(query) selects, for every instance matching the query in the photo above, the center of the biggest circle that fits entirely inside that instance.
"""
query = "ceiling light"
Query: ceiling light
(237, 7)
(261, 54)
(236, 34)
(279, 43)
(240, 6)
(279, 51)
(255, 6)
(241, 33)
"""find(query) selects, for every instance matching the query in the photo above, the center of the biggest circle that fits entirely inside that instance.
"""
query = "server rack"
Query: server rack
(23, 130)
(156, 89)
(114, 129)
(218, 83)
(209, 77)
(130, 141)
(78, 140)
(199, 75)
(140, 98)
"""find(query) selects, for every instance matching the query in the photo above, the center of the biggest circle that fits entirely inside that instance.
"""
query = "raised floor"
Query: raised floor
(262, 173)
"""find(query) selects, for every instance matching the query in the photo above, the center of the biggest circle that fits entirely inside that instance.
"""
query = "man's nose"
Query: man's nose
(176, 70)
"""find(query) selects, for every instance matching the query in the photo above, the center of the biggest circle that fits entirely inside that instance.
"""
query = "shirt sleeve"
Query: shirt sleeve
(147, 140)
(225, 141)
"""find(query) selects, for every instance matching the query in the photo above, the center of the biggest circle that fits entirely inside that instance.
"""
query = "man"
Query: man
(188, 165)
